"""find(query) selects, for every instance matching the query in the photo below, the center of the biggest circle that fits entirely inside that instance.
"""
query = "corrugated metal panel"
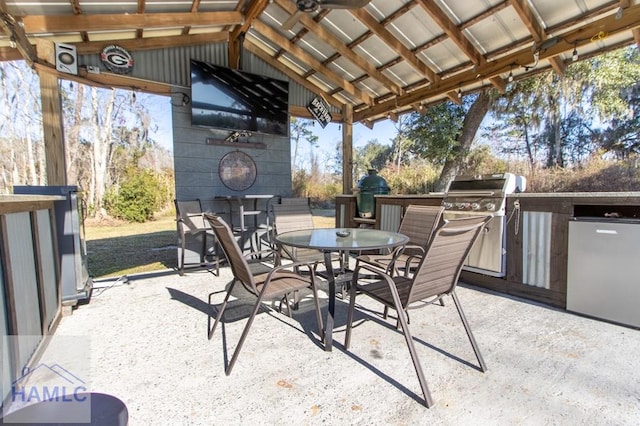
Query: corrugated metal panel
(390, 217)
(23, 277)
(172, 66)
(342, 211)
(536, 248)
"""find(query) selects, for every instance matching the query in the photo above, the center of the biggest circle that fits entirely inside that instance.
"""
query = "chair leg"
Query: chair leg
(467, 328)
(314, 289)
(286, 301)
(181, 260)
(352, 306)
(220, 312)
(245, 332)
(412, 350)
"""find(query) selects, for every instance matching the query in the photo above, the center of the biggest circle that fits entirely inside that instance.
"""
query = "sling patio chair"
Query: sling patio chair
(419, 224)
(293, 214)
(436, 276)
(193, 234)
(277, 284)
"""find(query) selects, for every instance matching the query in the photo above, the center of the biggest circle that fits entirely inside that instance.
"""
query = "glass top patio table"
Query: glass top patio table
(328, 240)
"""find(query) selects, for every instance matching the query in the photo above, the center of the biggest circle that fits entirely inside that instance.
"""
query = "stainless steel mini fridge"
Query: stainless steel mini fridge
(70, 214)
(603, 271)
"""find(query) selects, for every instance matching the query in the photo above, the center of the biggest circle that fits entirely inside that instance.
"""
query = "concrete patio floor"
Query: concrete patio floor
(149, 347)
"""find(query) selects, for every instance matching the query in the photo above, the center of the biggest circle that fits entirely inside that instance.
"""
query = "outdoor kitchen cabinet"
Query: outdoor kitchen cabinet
(537, 237)
(538, 242)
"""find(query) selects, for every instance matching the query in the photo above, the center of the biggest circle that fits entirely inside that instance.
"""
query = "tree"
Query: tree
(567, 118)
(373, 155)
(300, 131)
(445, 133)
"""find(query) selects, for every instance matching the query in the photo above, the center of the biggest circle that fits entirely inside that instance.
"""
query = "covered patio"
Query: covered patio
(148, 347)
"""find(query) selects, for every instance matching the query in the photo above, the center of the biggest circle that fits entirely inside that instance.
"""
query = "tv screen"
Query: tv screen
(226, 98)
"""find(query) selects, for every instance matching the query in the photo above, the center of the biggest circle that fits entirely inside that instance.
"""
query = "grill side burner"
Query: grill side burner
(484, 195)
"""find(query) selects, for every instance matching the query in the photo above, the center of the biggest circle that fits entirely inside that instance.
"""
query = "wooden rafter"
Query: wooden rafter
(577, 37)
(341, 48)
(303, 55)
(194, 8)
(456, 35)
(236, 37)
(537, 32)
(11, 26)
(140, 10)
(77, 10)
(379, 30)
(37, 24)
(256, 50)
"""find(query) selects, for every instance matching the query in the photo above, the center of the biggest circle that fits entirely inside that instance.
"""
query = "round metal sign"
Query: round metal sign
(117, 59)
(237, 171)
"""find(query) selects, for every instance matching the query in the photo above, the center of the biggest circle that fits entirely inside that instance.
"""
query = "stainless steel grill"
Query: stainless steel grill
(484, 195)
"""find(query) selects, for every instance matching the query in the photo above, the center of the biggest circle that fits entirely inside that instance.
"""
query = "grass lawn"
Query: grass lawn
(118, 248)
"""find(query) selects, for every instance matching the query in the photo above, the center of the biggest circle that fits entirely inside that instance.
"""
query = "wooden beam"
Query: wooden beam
(53, 130)
(347, 149)
(149, 43)
(333, 41)
(108, 80)
(15, 31)
(36, 24)
(456, 35)
(454, 97)
(299, 111)
(535, 29)
(378, 29)
(451, 29)
(253, 48)
(306, 57)
(577, 37)
(236, 37)
(253, 12)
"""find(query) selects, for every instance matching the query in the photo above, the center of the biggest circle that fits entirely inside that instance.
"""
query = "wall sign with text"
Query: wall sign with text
(320, 111)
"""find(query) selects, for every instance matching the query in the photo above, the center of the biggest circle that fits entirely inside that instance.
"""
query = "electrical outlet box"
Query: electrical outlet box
(93, 69)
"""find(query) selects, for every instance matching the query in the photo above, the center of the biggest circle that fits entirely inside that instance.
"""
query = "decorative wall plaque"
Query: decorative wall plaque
(237, 171)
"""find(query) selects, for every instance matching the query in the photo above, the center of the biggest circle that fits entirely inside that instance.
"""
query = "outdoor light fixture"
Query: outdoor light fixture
(459, 93)
(12, 42)
(574, 54)
(619, 13)
(510, 78)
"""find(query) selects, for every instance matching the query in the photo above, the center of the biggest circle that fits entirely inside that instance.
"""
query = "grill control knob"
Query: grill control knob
(475, 206)
(490, 206)
(447, 205)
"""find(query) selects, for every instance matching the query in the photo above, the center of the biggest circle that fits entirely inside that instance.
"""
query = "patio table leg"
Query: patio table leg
(328, 331)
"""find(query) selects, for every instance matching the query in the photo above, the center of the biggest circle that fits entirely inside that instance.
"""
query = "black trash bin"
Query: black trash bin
(368, 186)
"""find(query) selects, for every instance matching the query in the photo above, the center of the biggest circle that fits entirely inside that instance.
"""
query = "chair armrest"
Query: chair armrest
(371, 268)
(273, 253)
(309, 265)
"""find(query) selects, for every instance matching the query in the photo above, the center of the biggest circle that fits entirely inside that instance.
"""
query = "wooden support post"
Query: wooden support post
(347, 148)
(53, 129)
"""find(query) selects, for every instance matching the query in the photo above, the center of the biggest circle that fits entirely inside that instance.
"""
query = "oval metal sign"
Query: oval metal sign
(116, 59)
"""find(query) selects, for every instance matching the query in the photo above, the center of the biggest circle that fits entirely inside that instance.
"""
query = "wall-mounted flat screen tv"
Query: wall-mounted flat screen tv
(235, 100)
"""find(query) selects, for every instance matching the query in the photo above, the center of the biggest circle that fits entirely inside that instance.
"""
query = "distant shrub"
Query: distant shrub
(597, 175)
(139, 196)
(415, 178)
